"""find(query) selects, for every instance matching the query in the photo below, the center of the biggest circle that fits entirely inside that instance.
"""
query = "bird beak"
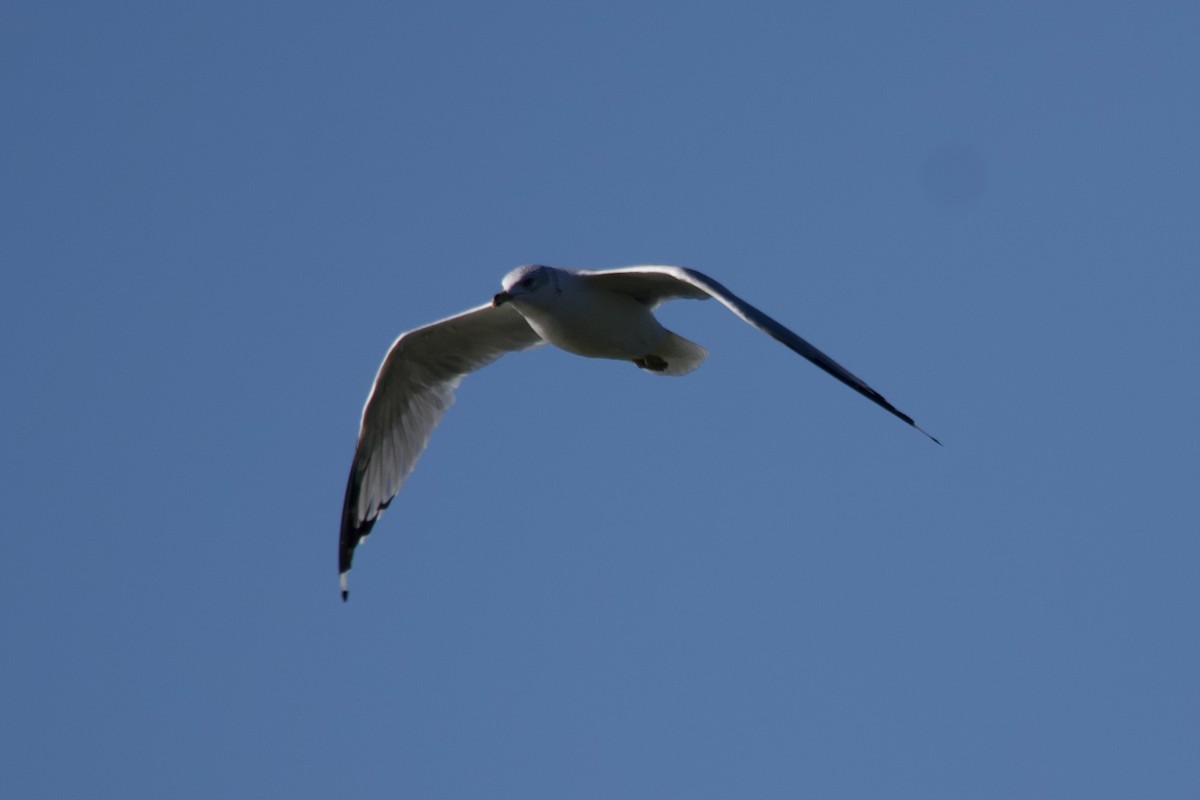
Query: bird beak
(501, 299)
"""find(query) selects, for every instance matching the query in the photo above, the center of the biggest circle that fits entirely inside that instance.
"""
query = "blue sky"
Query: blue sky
(749, 582)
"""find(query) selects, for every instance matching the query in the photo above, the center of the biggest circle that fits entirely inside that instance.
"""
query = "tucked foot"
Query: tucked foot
(652, 363)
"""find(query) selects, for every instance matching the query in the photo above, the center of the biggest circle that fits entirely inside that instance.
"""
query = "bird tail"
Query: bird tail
(680, 355)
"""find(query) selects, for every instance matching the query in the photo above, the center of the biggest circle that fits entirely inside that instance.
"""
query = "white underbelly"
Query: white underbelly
(607, 326)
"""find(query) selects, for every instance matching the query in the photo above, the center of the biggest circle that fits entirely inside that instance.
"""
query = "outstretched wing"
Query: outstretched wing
(414, 387)
(655, 284)
(652, 285)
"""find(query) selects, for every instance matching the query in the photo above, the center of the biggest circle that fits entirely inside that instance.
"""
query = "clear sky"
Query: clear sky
(749, 582)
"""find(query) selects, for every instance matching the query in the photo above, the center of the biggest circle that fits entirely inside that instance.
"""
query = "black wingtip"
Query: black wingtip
(876, 397)
(927, 433)
(346, 593)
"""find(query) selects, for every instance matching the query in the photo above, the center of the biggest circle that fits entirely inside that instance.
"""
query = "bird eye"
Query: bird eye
(527, 282)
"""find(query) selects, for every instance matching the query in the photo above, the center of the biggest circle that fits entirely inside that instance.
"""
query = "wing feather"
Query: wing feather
(654, 284)
(651, 285)
(412, 390)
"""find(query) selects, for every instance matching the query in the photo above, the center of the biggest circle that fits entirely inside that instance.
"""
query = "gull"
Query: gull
(594, 313)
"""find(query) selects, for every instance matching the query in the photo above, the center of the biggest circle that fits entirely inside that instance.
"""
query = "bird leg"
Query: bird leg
(651, 362)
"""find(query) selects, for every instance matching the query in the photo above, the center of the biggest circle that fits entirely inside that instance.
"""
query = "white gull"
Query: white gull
(595, 313)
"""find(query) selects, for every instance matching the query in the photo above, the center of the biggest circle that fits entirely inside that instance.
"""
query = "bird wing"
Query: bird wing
(650, 285)
(655, 284)
(414, 387)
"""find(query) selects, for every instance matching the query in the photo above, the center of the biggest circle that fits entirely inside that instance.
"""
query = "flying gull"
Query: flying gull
(595, 313)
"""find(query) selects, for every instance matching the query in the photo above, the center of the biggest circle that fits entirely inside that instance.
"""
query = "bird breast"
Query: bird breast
(596, 324)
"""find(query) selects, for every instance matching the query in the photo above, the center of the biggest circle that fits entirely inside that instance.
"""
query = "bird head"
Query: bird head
(532, 283)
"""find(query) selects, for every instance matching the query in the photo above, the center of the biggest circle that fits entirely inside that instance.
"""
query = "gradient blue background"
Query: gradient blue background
(749, 582)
